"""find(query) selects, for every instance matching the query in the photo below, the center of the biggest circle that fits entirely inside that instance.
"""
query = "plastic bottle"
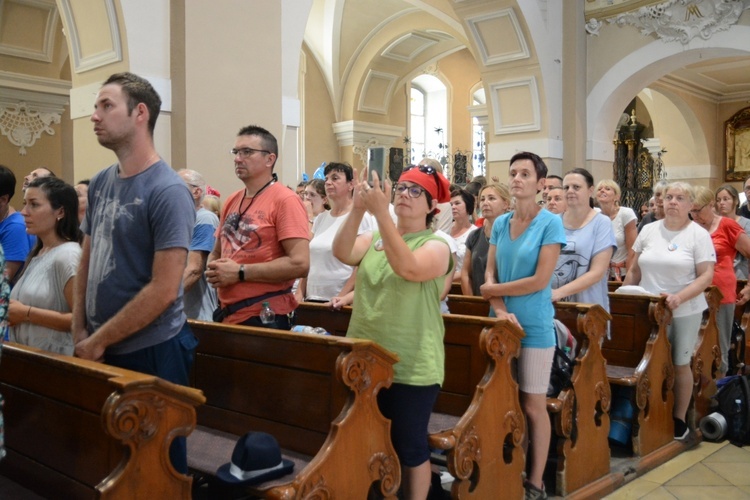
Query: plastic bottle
(267, 316)
(302, 329)
(309, 329)
(320, 331)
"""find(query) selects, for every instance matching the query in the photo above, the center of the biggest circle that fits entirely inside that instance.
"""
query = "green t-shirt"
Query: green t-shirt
(402, 316)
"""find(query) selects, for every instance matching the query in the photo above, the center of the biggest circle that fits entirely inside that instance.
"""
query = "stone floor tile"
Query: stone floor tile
(737, 474)
(660, 493)
(634, 490)
(698, 475)
(706, 492)
(730, 453)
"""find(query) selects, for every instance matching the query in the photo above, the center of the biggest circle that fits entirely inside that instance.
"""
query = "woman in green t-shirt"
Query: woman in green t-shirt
(402, 269)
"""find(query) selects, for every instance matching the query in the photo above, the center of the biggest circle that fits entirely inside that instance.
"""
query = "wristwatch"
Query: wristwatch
(242, 272)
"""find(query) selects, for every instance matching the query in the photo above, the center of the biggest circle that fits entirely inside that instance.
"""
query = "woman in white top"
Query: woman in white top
(329, 280)
(315, 199)
(42, 298)
(624, 222)
(462, 206)
(675, 257)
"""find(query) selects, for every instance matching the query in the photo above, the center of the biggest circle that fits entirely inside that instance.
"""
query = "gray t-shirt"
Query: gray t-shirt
(129, 220)
(42, 286)
(478, 244)
(576, 255)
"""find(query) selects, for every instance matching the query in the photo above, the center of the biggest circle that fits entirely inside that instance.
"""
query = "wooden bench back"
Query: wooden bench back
(633, 323)
(465, 362)
(484, 449)
(316, 394)
(91, 430)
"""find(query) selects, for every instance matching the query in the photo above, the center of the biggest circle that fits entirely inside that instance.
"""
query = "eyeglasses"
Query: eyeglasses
(697, 210)
(413, 191)
(245, 152)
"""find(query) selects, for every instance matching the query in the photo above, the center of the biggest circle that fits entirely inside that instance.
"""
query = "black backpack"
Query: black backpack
(736, 355)
(734, 404)
(563, 360)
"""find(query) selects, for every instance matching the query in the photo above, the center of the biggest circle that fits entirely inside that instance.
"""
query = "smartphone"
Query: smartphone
(376, 158)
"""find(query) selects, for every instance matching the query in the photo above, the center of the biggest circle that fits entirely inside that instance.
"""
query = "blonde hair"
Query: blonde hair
(213, 204)
(610, 184)
(703, 196)
(501, 190)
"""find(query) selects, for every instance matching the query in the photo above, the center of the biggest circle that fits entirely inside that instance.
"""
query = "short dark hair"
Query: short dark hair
(138, 90)
(267, 139)
(84, 181)
(539, 166)
(431, 216)
(344, 168)
(60, 195)
(473, 188)
(553, 176)
(7, 182)
(469, 199)
(585, 174)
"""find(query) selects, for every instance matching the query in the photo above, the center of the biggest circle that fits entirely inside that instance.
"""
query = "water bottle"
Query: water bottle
(267, 316)
(318, 330)
(309, 329)
(302, 329)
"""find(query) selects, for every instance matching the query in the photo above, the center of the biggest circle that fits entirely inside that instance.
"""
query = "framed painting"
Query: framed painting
(737, 142)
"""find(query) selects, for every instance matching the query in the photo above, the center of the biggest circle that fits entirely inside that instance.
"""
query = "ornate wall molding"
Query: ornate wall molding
(81, 61)
(45, 52)
(23, 125)
(683, 20)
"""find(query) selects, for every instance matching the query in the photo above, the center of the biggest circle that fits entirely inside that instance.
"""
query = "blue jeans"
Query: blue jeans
(172, 361)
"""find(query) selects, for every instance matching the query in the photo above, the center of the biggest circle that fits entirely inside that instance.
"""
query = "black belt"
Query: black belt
(221, 313)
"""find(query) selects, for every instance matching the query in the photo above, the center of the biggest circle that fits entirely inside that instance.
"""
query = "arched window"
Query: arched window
(429, 118)
(477, 134)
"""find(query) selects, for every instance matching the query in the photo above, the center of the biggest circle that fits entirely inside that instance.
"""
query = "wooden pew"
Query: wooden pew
(79, 429)
(484, 441)
(639, 355)
(706, 360)
(315, 394)
(580, 414)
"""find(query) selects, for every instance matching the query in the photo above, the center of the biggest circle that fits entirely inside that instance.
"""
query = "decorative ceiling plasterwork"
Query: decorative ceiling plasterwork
(44, 53)
(683, 20)
(484, 27)
(509, 91)
(23, 126)
(113, 54)
(377, 92)
(409, 46)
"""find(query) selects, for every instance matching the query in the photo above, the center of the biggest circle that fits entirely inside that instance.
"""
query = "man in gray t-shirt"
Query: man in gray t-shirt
(128, 309)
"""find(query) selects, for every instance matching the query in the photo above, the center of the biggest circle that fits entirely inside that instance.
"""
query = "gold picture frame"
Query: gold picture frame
(737, 143)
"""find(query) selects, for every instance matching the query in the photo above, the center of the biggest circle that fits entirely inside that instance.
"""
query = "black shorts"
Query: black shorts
(409, 408)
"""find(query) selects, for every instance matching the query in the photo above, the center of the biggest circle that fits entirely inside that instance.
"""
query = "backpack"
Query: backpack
(734, 404)
(563, 360)
(736, 355)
